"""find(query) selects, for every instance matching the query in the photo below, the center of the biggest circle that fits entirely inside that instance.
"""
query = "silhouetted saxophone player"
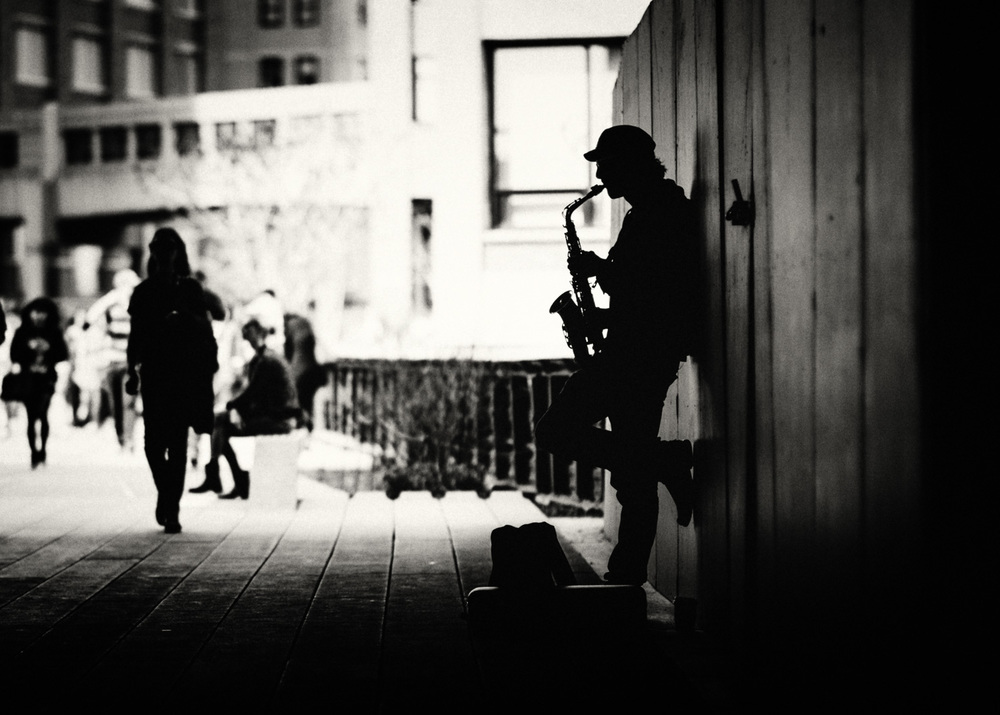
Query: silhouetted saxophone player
(633, 348)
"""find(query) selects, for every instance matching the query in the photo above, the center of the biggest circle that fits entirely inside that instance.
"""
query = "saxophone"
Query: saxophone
(576, 307)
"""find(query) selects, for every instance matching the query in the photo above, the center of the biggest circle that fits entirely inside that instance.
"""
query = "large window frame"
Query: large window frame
(541, 123)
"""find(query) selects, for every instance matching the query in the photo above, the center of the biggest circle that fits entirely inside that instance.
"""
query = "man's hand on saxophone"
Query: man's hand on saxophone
(585, 263)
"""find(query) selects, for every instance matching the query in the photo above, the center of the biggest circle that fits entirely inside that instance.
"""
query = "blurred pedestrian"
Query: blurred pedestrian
(216, 307)
(37, 347)
(267, 310)
(172, 357)
(83, 386)
(108, 317)
(307, 373)
(218, 315)
(267, 405)
(9, 408)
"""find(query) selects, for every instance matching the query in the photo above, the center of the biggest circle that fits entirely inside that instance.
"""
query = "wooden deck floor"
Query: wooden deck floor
(356, 602)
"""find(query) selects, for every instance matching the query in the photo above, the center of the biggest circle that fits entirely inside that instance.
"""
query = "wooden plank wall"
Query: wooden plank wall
(804, 400)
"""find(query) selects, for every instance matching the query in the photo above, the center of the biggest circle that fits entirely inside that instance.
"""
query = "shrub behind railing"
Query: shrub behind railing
(459, 424)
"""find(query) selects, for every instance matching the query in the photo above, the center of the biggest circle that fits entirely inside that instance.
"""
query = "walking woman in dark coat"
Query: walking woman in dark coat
(172, 357)
(37, 346)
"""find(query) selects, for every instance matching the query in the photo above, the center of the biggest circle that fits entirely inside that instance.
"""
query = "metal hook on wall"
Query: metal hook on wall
(741, 213)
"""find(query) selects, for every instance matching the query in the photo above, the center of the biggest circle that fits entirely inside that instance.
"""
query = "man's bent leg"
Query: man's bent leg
(636, 422)
(567, 426)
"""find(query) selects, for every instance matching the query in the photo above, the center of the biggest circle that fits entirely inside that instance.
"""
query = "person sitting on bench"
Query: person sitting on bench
(268, 405)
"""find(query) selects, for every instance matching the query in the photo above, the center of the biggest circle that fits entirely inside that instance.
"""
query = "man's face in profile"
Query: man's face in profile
(612, 172)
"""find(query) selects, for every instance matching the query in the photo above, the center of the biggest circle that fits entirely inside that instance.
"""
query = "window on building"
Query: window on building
(225, 136)
(271, 72)
(79, 146)
(140, 72)
(148, 141)
(143, 4)
(187, 139)
(33, 59)
(270, 13)
(187, 8)
(305, 12)
(549, 103)
(306, 69)
(263, 133)
(10, 153)
(425, 84)
(190, 74)
(10, 273)
(89, 67)
(420, 256)
(114, 143)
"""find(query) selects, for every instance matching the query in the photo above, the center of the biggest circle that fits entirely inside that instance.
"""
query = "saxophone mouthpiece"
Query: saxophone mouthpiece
(596, 189)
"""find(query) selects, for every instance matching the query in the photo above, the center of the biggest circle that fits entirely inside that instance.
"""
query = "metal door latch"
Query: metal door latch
(741, 213)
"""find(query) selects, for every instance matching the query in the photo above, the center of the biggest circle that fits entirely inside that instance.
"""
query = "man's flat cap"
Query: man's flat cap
(622, 139)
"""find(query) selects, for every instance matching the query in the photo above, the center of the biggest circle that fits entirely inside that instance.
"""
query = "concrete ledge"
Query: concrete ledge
(272, 460)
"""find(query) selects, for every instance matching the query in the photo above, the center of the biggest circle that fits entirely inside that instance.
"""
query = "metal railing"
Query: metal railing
(474, 412)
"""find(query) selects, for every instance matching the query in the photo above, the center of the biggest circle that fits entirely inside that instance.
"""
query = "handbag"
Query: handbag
(15, 387)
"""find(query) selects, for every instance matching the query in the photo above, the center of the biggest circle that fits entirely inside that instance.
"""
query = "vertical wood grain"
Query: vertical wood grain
(643, 78)
(737, 154)
(789, 56)
(712, 547)
(688, 396)
(664, 132)
(892, 407)
(839, 271)
(762, 571)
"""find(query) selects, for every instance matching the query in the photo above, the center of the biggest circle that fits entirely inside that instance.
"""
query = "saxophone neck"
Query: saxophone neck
(573, 205)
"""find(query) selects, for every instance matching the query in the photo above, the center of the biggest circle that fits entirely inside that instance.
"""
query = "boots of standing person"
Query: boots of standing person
(212, 482)
(241, 485)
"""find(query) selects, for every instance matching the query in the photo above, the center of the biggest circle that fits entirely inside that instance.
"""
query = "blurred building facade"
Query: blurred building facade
(445, 136)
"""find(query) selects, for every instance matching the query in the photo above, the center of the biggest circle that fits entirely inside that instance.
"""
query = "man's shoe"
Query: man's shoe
(212, 482)
(160, 518)
(676, 460)
(172, 527)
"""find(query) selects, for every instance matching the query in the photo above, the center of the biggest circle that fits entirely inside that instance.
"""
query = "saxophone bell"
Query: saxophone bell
(574, 326)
